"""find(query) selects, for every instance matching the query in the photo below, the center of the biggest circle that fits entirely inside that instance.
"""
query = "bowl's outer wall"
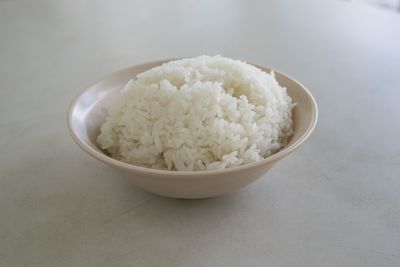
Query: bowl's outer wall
(89, 110)
(211, 185)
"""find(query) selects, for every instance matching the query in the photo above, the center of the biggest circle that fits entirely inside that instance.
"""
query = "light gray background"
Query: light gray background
(334, 202)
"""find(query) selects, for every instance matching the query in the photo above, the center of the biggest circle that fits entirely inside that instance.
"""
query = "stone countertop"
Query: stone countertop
(334, 202)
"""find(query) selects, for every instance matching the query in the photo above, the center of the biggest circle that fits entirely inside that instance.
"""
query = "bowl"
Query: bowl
(88, 111)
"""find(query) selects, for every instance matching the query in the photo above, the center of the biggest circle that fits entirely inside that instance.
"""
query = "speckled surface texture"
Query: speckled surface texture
(334, 202)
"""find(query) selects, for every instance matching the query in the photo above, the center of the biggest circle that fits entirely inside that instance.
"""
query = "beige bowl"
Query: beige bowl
(89, 110)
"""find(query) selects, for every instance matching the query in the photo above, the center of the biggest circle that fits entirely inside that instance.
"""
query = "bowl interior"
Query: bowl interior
(88, 111)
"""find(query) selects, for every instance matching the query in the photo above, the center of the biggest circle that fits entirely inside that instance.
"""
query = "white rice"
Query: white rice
(202, 113)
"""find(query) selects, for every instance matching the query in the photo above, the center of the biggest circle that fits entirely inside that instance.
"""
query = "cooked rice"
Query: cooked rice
(202, 113)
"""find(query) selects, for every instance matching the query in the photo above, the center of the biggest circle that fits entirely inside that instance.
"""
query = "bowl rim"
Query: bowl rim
(172, 173)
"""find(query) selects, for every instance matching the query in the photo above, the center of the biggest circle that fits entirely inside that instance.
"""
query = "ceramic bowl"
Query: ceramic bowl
(89, 109)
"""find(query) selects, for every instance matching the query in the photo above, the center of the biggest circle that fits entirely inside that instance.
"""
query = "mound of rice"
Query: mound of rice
(200, 113)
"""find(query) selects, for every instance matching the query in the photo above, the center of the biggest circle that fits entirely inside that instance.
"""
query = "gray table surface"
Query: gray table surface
(334, 202)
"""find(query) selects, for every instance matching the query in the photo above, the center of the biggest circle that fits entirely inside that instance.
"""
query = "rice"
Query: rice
(202, 113)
